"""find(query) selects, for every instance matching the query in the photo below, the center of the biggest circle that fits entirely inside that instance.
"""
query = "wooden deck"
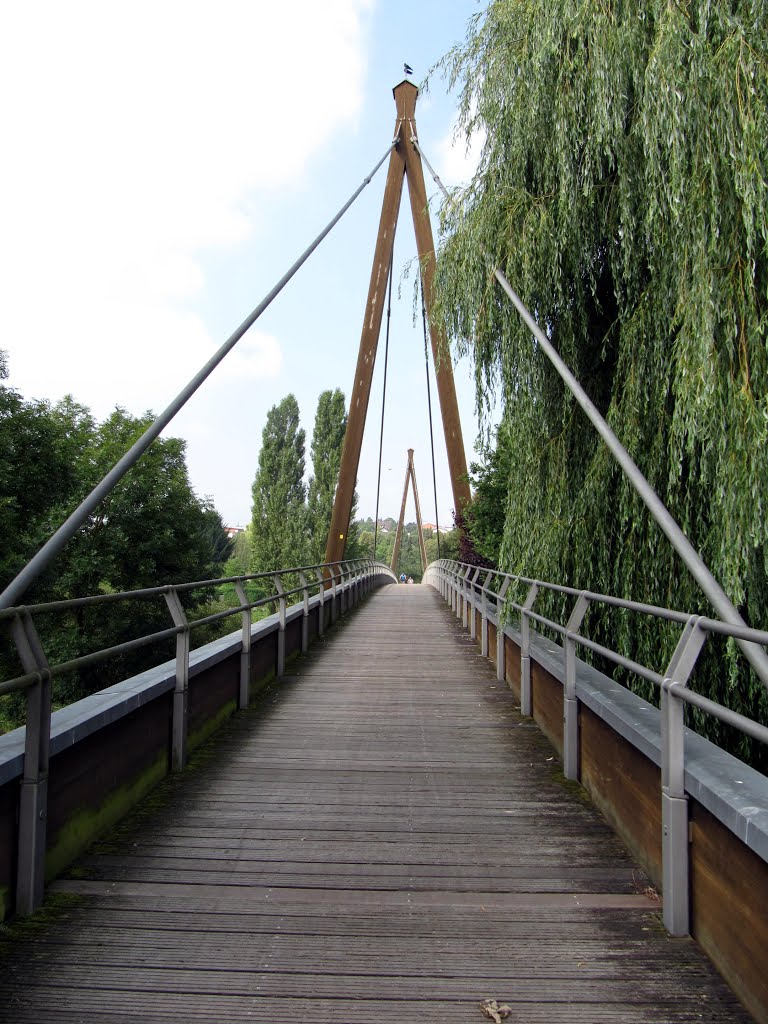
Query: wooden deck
(383, 840)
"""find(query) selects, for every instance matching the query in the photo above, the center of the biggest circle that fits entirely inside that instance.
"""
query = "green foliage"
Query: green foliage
(623, 189)
(150, 530)
(492, 479)
(279, 512)
(326, 448)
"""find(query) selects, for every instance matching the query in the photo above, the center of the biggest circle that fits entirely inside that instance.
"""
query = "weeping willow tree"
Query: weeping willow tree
(623, 190)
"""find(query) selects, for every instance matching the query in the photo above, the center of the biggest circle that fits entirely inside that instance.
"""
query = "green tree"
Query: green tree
(623, 189)
(222, 545)
(151, 529)
(326, 448)
(279, 511)
(492, 479)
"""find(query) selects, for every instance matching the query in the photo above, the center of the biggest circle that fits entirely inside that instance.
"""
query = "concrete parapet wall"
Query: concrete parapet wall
(110, 749)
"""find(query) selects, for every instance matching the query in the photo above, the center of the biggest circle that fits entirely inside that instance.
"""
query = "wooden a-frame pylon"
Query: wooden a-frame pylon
(410, 477)
(404, 162)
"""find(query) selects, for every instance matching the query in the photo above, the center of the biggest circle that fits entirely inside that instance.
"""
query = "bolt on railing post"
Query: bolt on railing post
(33, 799)
(280, 668)
(501, 647)
(321, 607)
(180, 721)
(305, 617)
(570, 700)
(244, 688)
(674, 801)
(526, 697)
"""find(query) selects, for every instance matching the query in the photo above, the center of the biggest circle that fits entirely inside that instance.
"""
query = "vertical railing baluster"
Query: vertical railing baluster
(244, 688)
(280, 670)
(305, 616)
(526, 696)
(501, 647)
(180, 721)
(484, 615)
(473, 604)
(334, 596)
(33, 799)
(570, 700)
(320, 573)
(674, 801)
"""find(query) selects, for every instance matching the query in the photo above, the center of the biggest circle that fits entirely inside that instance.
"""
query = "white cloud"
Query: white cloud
(135, 137)
(458, 159)
(256, 356)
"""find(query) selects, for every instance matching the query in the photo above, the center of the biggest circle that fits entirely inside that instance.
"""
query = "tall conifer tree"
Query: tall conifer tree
(279, 492)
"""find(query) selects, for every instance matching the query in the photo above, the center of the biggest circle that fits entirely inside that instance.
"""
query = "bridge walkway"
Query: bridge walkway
(383, 839)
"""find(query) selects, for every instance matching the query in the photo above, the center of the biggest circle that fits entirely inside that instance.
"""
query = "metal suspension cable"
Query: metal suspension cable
(56, 542)
(383, 397)
(429, 408)
(710, 587)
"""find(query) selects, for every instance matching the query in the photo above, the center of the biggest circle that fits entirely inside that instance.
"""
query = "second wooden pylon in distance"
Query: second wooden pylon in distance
(410, 477)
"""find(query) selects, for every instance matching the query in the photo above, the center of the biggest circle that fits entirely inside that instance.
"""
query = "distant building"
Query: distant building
(435, 528)
(232, 531)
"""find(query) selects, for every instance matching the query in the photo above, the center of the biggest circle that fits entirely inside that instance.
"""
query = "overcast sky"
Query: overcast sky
(164, 164)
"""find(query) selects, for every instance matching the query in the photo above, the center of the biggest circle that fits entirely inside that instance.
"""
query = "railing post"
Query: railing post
(181, 690)
(244, 689)
(33, 800)
(305, 617)
(674, 801)
(280, 670)
(473, 604)
(484, 616)
(526, 699)
(501, 647)
(321, 609)
(334, 598)
(465, 589)
(570, 700)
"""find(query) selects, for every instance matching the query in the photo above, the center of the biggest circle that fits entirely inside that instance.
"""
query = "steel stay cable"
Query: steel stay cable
(72, 524)
(383, 396)
(711, 589)
(429, 409)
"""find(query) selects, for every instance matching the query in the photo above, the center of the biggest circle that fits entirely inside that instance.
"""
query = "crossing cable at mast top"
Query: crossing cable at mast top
(72, 524)
(711, 589)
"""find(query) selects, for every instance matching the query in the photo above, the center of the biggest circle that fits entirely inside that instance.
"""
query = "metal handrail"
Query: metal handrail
(347, 581)
(460, 584)
(29, 679)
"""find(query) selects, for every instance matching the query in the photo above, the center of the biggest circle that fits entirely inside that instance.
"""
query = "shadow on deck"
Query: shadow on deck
(383, 838)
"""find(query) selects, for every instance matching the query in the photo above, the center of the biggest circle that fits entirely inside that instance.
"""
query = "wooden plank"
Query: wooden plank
(384, 839)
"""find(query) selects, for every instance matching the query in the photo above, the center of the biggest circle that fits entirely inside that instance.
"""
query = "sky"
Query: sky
(165, 163)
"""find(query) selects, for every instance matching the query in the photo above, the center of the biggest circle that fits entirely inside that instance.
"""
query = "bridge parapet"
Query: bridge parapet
(695, 816)
(67, 775)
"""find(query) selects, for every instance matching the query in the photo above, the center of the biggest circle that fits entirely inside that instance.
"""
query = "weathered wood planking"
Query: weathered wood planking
(384, 839)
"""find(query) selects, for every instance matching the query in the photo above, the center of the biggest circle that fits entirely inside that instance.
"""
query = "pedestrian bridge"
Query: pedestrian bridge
(380, 836)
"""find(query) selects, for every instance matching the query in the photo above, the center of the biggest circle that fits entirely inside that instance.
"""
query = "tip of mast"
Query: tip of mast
(401, 85)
